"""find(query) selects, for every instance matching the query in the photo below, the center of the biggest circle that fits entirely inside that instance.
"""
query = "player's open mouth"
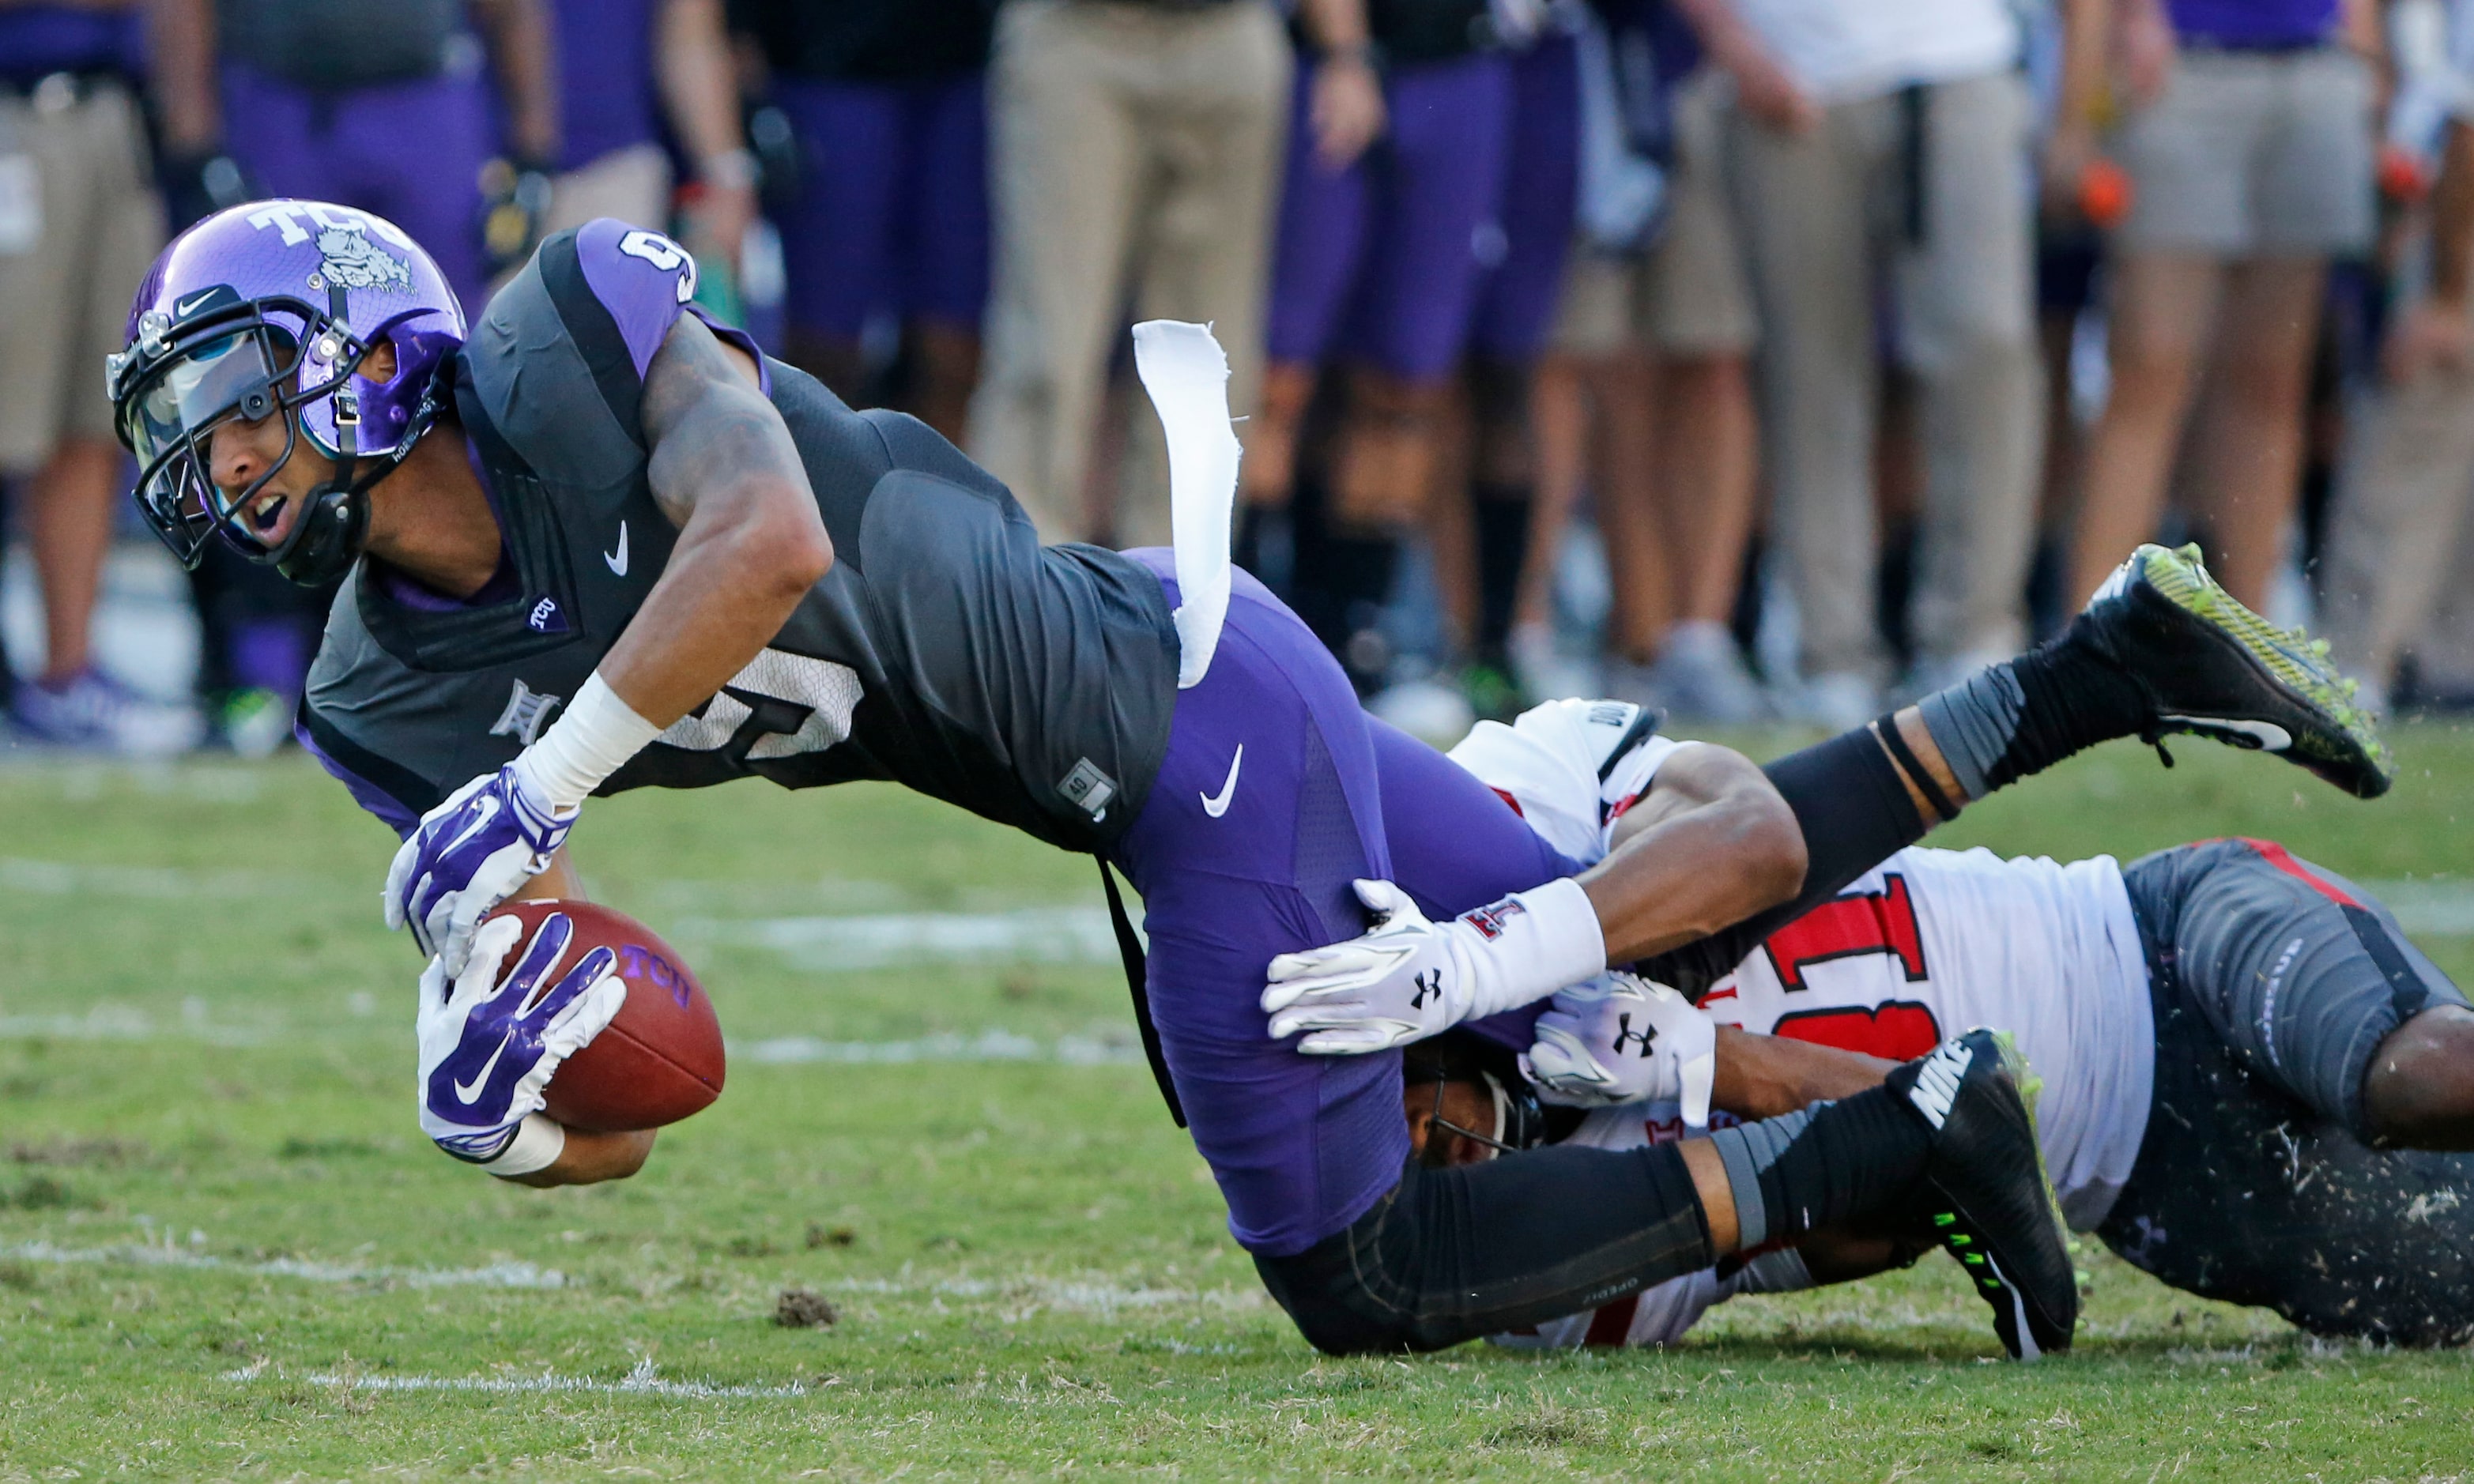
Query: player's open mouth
(265, 515)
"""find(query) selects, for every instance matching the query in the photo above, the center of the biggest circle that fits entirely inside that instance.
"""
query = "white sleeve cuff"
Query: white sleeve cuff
(1553, 940)
(540, 1139)
(592, 739)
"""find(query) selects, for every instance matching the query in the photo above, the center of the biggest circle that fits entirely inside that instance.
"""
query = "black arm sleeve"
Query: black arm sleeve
(1454, 1254)
(1855, 813)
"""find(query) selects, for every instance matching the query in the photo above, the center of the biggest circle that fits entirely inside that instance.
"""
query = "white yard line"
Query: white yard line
(988, 1046)
(891, 940)
(641, 1381)
(497, 1275)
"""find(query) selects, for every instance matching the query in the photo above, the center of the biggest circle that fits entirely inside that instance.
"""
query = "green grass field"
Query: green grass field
(227, 1251)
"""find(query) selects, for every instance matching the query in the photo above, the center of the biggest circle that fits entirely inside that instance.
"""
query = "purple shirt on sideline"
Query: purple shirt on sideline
(605, 77)
(37, 39)
(2254, 25)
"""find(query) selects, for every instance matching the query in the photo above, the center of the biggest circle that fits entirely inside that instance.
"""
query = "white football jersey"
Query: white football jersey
(1930, 944)
(1569, 768)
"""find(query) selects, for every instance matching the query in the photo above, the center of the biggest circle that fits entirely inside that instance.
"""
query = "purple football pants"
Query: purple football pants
(893, 201)
(1302, 1146)
(410, 151)
(1381, 261)
(1517, 299)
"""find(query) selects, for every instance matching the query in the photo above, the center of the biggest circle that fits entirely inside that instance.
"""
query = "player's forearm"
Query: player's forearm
(180, 47)
(740, 569)
(2087, 26)
(1701, 866)
(590, 1158)
(750, 542)
(519, 45)
(2452, 217)
(1768, 1077)
(698, 91)
(1335, 25)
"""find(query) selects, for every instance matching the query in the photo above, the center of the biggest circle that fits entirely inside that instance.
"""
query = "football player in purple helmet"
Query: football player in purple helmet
(600, 544)
(278, 306)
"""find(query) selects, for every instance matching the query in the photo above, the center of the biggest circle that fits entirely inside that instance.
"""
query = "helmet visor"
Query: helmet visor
(228, 373)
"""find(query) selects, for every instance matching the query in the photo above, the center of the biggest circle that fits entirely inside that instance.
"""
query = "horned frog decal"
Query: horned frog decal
(353, 262)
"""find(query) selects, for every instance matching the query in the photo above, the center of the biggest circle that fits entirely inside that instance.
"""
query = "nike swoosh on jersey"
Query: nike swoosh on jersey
(1218, 807)
(618, 560)
(464, 1090)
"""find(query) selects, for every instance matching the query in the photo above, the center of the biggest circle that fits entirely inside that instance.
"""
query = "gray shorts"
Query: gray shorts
(2253, 154)
(2273, 983)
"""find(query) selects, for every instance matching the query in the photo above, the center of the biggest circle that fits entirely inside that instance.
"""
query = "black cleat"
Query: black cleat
(1988, 1202)
(2213, 668)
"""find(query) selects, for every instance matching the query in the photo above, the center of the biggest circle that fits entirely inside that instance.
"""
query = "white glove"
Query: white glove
(489, 1043)
(468, 855)
(1410, 978)
(1622, 1039)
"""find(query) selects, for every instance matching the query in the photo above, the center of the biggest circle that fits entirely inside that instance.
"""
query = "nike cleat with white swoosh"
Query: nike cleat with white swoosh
(1985, 1196)
(2211, 668)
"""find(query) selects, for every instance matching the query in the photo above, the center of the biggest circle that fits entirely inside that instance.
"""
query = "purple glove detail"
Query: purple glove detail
(468, 855)
(469, 1096)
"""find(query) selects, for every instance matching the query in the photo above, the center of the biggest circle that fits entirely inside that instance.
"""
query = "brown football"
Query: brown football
(660, 1060)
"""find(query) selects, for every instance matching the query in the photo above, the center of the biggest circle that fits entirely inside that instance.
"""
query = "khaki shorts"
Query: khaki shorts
(2253, 153)
(632, 185)
(1689, 295)
(96, 226)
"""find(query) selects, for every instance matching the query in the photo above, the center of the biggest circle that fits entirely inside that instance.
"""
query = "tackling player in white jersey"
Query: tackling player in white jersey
(2249, 1072)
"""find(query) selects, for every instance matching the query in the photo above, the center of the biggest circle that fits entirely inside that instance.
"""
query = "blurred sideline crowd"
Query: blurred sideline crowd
(1751, 358)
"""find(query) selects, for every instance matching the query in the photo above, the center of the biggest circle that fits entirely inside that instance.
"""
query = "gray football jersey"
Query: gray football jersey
(947, 650)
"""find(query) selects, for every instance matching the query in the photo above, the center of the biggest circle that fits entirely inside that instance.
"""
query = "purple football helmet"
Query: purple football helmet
(270, 307)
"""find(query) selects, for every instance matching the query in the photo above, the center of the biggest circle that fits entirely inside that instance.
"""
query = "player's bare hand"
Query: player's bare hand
(1771, 97)
(490, 1042)
(470, 853)
(1347, 110)
(1622, 1038)
(2432, 335)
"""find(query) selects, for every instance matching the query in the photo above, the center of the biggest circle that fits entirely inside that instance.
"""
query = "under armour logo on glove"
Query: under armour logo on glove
(1430, 985)
(489, 1044)
(1579, 1058)
(470, 853)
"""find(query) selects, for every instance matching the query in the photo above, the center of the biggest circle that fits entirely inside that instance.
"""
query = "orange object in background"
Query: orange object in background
(2105, 193)
(2403, 180)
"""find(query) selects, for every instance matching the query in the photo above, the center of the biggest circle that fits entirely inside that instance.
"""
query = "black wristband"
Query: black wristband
(1913, 767)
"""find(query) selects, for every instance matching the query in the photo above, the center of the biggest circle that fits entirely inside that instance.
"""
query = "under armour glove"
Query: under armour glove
(470, 853)
(490, 1042)
(1410, 978)
(1622, 1039)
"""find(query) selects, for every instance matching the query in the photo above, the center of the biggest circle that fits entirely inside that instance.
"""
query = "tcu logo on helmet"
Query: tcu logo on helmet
(352, 261)
(347, 257)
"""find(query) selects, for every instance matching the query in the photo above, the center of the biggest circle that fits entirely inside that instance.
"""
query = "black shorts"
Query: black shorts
(2273, 983)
